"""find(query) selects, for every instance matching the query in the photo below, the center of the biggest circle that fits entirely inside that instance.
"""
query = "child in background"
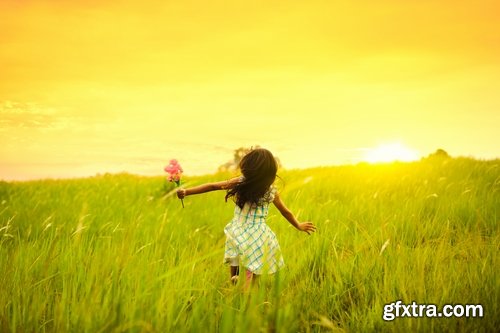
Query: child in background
(249, 240)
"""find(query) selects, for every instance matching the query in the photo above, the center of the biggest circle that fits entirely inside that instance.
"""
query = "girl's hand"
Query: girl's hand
(307, 227)
(181, 193)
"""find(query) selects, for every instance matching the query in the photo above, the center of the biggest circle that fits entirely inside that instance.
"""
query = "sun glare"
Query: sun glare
(389, 153)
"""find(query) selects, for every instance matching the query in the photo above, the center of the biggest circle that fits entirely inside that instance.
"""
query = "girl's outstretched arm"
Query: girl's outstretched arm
(224, 185)
(305, 226)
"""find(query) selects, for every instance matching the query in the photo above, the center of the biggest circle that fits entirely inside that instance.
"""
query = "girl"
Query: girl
(249, 241)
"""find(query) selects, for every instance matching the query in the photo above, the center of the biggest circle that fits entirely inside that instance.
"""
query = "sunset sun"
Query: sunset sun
(390, 152)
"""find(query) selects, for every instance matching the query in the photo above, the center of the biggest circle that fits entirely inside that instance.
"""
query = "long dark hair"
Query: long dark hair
(259, 171)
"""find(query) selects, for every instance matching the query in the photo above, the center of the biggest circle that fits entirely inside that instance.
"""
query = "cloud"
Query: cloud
(32, 116)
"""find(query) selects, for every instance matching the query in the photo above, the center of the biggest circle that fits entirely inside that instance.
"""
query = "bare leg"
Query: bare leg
(251, 279)
(234, 271)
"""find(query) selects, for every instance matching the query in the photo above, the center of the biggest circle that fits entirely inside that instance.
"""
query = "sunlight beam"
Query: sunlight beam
(390, 152)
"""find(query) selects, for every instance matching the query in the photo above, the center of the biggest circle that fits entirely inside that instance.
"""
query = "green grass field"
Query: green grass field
(118, 253)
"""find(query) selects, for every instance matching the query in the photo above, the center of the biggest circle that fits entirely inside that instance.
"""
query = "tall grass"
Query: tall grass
(118, 253)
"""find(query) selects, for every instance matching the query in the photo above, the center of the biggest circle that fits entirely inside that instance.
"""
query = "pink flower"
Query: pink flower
(173, 167)
(174, 171)
(174, 177)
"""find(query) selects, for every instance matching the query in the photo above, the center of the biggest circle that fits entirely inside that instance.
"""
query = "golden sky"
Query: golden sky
(110, 86)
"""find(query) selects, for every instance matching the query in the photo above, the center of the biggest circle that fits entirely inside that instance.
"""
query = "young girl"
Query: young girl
(249, 241)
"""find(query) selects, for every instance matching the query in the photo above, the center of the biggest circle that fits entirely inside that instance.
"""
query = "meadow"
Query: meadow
(118, 253)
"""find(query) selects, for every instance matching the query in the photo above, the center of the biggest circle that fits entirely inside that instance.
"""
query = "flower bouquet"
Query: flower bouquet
(174, 171)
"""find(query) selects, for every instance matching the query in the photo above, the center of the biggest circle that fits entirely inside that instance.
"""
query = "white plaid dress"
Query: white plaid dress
(250, 241)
